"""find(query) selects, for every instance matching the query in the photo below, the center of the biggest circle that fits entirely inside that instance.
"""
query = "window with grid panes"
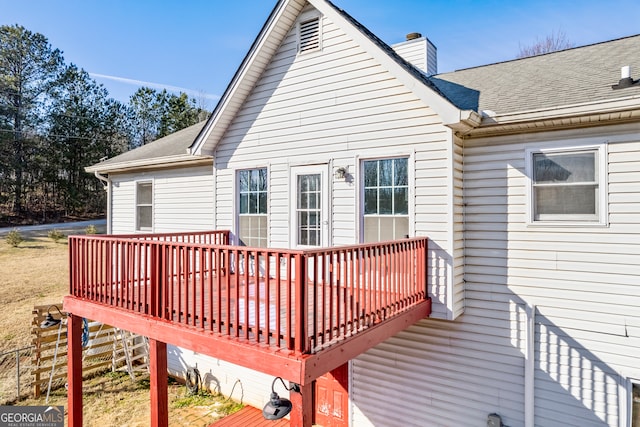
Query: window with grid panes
(386, 199)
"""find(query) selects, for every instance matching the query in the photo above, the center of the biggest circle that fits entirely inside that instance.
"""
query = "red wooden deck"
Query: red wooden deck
(296, 314)
(297, 301)
(249, 417)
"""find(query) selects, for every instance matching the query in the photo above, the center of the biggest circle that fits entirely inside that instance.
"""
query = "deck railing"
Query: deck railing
(296, 300)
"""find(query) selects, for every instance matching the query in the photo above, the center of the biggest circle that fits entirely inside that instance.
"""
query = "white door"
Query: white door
(309, 206)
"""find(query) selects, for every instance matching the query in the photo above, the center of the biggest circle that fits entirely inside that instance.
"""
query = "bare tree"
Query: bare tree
(551, 43)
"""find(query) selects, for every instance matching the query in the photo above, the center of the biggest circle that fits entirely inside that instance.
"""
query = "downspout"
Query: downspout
(529, 367)
(107, 188)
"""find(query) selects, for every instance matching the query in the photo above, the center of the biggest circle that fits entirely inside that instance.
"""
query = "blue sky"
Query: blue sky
(197, 45)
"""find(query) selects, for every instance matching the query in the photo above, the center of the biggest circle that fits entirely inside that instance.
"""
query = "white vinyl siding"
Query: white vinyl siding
(583, 280)
(182, 199)
(337, 107)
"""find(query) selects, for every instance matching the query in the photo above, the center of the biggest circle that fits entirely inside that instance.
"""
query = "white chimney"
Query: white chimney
(419, 52)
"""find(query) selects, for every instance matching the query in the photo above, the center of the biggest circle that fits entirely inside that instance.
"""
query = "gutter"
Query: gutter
(160, 162)
(107, 187)
(568, 116)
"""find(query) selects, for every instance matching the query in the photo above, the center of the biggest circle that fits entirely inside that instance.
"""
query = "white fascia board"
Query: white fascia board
(160, 162)
(448, 112)
(245, 78)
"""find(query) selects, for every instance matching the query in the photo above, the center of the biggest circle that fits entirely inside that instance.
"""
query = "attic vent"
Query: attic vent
(309, 35)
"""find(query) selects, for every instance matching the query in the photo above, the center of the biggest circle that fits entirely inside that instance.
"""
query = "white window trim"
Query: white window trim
(603, 213)
(137, 228)
(235, 225)
(359, 185)
(306, 17)
(626, 402)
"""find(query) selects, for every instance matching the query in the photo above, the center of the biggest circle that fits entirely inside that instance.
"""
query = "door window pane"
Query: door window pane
(252, 207)
(308, 209)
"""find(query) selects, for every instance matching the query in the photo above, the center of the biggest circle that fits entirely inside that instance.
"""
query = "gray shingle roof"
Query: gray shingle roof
(173, 145)
(568, 77)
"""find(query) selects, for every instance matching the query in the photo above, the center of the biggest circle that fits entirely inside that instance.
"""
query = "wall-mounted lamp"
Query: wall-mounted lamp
(341, 172)
(494, 420)
(278, 407)
(625, 79)
(50, 321)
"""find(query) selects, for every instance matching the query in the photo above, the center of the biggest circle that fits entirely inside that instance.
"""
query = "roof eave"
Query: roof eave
(571, 116)
(181, 160)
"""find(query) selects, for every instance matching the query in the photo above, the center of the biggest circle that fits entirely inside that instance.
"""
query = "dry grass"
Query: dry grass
(36, 273)
(114, 399)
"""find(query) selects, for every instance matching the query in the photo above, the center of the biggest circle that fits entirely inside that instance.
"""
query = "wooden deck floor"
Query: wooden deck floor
(249, 417)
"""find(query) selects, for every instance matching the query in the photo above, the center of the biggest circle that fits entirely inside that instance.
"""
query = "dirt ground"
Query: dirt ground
(113, 399)
(36, 273)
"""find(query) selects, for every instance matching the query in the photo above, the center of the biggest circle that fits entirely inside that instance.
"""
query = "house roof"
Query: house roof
(163, 152)
(506, 96)
(571, 77)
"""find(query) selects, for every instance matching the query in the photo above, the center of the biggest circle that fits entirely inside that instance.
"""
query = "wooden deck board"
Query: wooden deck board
(249, 417)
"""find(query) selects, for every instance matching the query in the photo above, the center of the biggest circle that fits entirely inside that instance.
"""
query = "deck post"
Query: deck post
(158, 383)
(74, 369)
(302, 406)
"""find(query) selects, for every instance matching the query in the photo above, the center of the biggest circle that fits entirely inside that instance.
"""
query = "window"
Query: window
(144, 206)
(386, 199)
(309, 35)
(252, 197)
(566, 185)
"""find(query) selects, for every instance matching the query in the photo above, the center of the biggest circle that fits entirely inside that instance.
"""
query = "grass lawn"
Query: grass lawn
(37, 273)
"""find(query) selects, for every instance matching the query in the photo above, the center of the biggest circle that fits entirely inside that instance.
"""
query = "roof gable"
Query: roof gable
(273, 33)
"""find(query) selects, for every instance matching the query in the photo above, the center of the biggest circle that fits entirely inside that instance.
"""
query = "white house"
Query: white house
(524, 175)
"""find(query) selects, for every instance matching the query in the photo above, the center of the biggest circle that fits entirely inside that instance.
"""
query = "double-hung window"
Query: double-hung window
(386, 199)
(144, 206)
(252, 195)
(567, 186)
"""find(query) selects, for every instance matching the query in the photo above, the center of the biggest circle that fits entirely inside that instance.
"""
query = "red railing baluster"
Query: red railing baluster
(300, 303)
(299, 300)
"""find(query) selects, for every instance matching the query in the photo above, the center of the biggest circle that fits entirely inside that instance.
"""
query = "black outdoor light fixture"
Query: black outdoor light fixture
(278, 407)
(50, 321)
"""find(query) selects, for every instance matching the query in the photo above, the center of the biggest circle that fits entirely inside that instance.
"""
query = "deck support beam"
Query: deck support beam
(74, 369)
(158, 383)
(302, 411)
